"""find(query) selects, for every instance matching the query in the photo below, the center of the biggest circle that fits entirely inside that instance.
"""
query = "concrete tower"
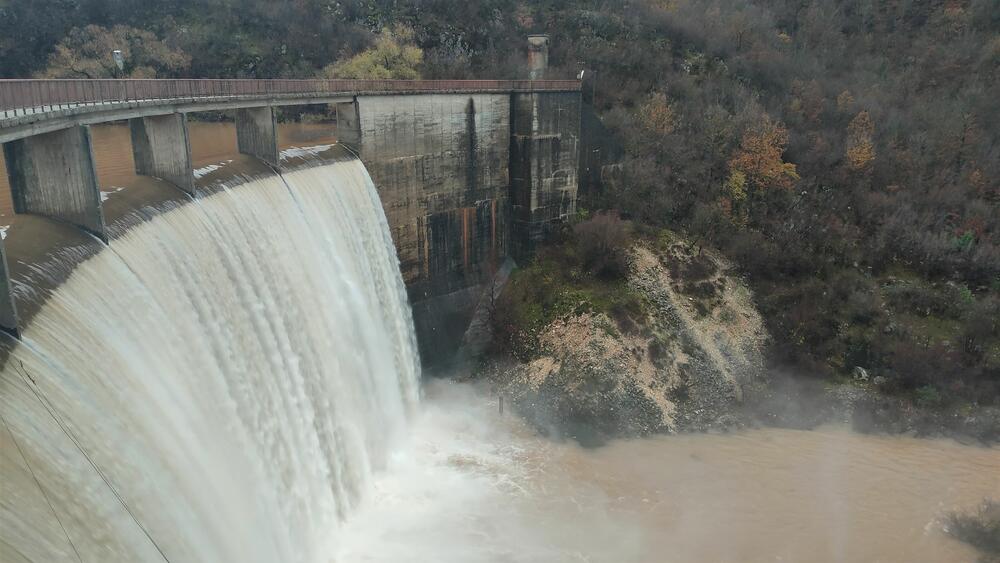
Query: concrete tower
(538, 56)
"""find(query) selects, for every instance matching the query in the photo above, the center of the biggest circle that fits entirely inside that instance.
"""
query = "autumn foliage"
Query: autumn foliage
(658, 116)
(759, 157)
(860, 146)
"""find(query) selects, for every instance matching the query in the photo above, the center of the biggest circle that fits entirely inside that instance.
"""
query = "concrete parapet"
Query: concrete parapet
(162, 149)
(257, 133)
(53, 175)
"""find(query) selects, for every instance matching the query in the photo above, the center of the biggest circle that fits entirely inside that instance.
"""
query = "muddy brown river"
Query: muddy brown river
(473, 485)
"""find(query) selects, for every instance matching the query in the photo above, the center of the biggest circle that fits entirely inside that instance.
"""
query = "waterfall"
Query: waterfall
(216, 385)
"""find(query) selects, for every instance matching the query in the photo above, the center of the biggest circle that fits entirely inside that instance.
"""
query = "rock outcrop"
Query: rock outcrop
(682, 364)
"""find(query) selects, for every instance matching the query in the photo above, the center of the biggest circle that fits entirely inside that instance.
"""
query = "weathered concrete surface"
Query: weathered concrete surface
(54, 175)
(440, 163)
(257, 133)
(348, 125)
(8, 311)
(538, 56)
(544, 165)
(162, 149)
(441, 166)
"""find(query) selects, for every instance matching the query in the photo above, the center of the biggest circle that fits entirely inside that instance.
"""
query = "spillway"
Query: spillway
(218, 384)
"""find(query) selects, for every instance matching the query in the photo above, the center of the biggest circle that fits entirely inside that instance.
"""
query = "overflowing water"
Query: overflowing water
(217, 385)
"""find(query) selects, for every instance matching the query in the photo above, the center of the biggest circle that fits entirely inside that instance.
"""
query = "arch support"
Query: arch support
(257, 133)
(53, 175)
(161, 149)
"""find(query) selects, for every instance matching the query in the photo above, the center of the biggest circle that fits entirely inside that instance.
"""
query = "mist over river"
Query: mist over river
(471, 485)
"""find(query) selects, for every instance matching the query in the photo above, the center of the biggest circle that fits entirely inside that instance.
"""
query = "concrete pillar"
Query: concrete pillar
(161, 149)
(349, 125)
(53, 175)
(257, 133)
(538, 56)
(8, 309)
(544, 165)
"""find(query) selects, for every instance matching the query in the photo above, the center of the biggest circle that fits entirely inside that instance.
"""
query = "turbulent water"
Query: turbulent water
(474, 486)
(217, 385)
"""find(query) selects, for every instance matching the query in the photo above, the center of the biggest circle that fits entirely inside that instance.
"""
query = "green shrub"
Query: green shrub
(928, 396)
(603, 242)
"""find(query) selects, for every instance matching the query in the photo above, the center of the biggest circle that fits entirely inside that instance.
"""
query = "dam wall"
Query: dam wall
(544, 165)
(440, 164)
(466, 179)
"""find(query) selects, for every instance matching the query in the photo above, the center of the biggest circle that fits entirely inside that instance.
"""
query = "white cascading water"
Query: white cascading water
(218, 385)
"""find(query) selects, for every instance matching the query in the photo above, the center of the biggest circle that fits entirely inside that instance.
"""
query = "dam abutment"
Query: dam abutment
(465, 181)
(161, 148)
(544, 163)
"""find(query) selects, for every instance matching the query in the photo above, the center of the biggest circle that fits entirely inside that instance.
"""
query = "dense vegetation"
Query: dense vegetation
(843, 152)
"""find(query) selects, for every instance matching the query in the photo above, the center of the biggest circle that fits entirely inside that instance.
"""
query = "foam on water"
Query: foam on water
(217, 385)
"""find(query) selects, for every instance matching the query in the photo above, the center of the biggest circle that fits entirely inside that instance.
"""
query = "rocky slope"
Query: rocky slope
(683, 362)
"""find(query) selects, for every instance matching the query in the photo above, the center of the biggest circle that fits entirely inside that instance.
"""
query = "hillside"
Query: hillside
(842, 154)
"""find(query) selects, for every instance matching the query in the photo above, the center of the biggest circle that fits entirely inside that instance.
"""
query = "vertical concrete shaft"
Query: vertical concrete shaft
(8, 310)
(349, 125)
(544, 165)
(257, 133)
(53, 174)
(538, 56)
(162, 149)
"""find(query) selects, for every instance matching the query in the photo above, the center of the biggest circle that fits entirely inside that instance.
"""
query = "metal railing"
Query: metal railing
(28, 96)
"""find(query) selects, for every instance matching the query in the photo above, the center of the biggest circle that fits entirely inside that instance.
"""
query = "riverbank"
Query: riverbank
(611, 333)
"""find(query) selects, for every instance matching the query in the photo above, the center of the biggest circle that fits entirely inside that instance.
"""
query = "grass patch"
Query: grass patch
(557, 284)
(932, 329)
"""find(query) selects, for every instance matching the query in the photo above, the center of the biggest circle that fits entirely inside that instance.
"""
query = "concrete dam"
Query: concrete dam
(469, 173)
(220, 383)
(212, 364)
